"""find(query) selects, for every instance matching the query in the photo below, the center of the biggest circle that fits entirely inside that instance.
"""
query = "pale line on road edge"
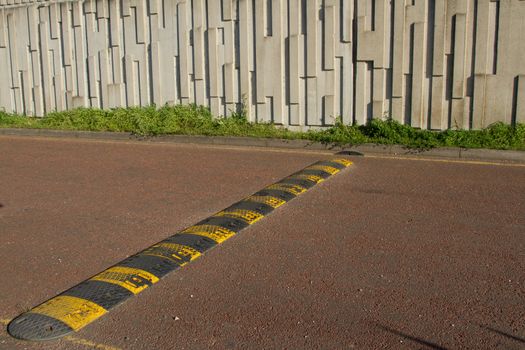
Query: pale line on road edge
(173, 143)
(441, 160)
(257, 148)
(89, 343)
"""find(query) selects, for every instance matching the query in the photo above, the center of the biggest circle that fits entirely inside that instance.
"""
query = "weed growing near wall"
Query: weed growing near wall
(196, 120)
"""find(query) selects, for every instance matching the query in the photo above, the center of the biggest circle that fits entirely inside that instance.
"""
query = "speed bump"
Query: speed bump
(78, 306)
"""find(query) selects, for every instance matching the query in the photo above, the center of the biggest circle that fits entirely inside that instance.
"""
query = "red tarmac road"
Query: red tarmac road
(389, 253)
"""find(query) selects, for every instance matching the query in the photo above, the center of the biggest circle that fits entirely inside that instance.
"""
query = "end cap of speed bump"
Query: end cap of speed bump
(77, 307)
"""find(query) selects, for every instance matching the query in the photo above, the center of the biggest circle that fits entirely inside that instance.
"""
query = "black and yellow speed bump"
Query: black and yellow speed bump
(89, 300)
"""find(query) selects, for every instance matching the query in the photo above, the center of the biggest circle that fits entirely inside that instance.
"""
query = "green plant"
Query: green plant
(241, 114)
(198, 120)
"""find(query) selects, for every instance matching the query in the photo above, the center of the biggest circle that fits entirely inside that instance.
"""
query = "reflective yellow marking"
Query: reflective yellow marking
(249, 216)
(73, 311)
(181, 250)
(217, 233)
(325, 168)
(293, 189)
(313, 178)
(273, 202)
(175, 252)
(342, 161)
(134, 280)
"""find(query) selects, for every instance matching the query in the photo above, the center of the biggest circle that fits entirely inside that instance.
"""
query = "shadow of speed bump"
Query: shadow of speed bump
(77, 307)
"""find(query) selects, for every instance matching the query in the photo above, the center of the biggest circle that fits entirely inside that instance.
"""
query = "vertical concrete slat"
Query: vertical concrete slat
(458, 82)
(227, 10)
(278, 112)
(229, 66)
(398, 62)
(260, 53)
(156, 75)
(520, 100)
(418, 119)
(245, 47)
(184, 47)
(312, 15)
(294, 58)
(329, 32)
(3, 28)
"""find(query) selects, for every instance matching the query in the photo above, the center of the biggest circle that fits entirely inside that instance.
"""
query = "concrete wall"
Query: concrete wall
(429, 63)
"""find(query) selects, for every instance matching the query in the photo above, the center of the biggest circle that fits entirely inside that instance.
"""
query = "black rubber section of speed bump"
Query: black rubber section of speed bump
(77, 307)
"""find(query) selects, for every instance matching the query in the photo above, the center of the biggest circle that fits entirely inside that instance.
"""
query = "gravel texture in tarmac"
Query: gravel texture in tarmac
(389, 253)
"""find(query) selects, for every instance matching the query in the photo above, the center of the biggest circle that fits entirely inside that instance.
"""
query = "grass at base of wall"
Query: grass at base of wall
(195, 120)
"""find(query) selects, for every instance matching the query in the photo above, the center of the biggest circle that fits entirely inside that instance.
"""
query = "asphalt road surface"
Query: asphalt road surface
(389, 253)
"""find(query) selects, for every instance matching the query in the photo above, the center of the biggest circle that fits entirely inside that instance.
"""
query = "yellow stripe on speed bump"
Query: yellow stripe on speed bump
(249, 216)
(342, 161)
(313, 178)
(89, 300)
(178, 252)
(134, 280)
(273, 202)
(293, 189)
(325, 168)
(74, 312)
(217, 233)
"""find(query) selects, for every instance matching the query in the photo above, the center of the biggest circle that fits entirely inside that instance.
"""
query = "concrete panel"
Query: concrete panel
(434, 64)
